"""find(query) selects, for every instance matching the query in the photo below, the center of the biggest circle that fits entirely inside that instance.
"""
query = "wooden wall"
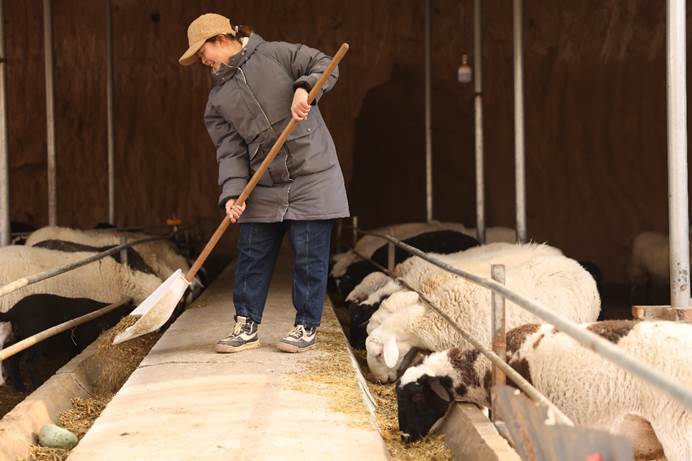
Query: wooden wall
(595, 108)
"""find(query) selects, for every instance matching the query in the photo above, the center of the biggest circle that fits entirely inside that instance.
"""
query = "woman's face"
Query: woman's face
(214, 53)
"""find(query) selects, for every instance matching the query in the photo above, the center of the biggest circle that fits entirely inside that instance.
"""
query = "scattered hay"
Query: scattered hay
(82, 415)
(47, 454)
(9, 398)
(332, 375)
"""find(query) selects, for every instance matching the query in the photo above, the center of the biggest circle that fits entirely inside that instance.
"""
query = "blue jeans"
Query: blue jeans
(258, 248)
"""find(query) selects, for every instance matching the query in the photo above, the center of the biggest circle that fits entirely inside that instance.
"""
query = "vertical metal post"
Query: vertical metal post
(520, 175)
(4, 152)
(428, 112)
(109, 102)
(677, 156)
(478, 112)
(354, 223)
(498, 329)
(390, 256)
(50, 110)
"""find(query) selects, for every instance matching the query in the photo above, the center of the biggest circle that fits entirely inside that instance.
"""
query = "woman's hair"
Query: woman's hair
(240, 32)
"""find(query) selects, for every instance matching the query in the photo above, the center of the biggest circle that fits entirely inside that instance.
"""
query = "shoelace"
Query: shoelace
(297, 332)
(238, 328)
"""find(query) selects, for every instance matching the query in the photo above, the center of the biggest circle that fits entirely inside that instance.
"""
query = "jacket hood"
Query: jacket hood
(228, 70)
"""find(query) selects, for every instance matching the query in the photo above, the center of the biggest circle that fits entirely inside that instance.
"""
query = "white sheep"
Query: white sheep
(553, 280)
(104, 280)
(590, 390)
(160, 256)
(370, 284)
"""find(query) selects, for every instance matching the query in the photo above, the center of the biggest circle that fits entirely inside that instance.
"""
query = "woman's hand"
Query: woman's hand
(234, 211)
(300, 106)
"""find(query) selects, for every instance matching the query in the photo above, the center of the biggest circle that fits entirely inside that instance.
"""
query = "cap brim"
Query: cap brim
(190, 56)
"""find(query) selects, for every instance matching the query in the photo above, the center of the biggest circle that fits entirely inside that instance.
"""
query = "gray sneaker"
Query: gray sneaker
(244, 337)
(299, 339)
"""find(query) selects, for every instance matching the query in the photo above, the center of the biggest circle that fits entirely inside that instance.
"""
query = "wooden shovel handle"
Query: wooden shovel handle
(250, 186)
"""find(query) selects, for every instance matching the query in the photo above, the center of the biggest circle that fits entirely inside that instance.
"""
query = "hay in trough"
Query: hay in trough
(110, 366)
(113, 364)
(37, 453)
(82, 415)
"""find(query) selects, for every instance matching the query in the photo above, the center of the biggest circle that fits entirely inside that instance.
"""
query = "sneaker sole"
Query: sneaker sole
(284, 347)
(223, 349)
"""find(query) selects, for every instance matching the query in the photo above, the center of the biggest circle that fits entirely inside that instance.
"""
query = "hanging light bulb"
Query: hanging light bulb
(464, 73)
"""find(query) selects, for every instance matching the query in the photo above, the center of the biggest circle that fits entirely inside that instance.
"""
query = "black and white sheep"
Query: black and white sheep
(590, 390)
(553, 280)
(159, 257)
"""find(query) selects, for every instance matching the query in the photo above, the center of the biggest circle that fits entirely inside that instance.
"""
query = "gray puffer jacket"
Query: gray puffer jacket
(248, 107)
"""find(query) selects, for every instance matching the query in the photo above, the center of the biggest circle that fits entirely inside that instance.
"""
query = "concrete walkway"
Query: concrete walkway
(186, 402)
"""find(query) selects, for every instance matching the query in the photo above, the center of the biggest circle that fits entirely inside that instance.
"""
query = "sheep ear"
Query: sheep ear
(438, 389)
(391, 352)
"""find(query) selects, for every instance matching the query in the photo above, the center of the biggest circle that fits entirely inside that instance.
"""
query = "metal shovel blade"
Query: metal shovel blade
(157, 308)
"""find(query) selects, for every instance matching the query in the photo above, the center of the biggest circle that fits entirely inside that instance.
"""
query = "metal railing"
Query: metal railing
(587, 339)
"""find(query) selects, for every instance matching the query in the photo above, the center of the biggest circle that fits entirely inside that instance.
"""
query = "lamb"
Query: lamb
(590, 390)
(553, 280)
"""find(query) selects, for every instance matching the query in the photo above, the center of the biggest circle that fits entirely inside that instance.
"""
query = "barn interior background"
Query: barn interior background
(594, 95)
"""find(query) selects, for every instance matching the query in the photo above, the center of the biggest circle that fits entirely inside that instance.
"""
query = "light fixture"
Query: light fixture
(464, 73)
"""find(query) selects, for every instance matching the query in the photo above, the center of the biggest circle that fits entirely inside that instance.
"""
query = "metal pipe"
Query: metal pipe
(391, 249)
(31, 279)
(428, 112)
(50, 110)
(123, 252)
(520, 175)
(521, 383)
(478, 113)
(110, 110)
(52, 331)
(587, 339)
(498, 330)
(677, 156)
(5, 237)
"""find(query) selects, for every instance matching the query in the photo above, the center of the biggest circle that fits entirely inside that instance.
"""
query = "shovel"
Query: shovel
(158, 307)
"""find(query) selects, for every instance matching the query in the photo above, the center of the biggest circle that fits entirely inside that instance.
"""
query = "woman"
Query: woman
(258, 87)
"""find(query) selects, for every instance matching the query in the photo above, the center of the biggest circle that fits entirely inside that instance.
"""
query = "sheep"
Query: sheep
(590, 390)
(103, 280)
(421, 274)
(159, 256)
(49, 302)
(649, 269)
(553, 280)
(439, 241)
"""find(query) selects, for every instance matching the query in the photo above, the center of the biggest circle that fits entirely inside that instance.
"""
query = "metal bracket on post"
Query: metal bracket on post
(123, 252)
(390, 257)
(354, 222)
(498, 331)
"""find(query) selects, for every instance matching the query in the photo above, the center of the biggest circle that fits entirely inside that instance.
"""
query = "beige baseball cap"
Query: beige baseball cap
(202, 29)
